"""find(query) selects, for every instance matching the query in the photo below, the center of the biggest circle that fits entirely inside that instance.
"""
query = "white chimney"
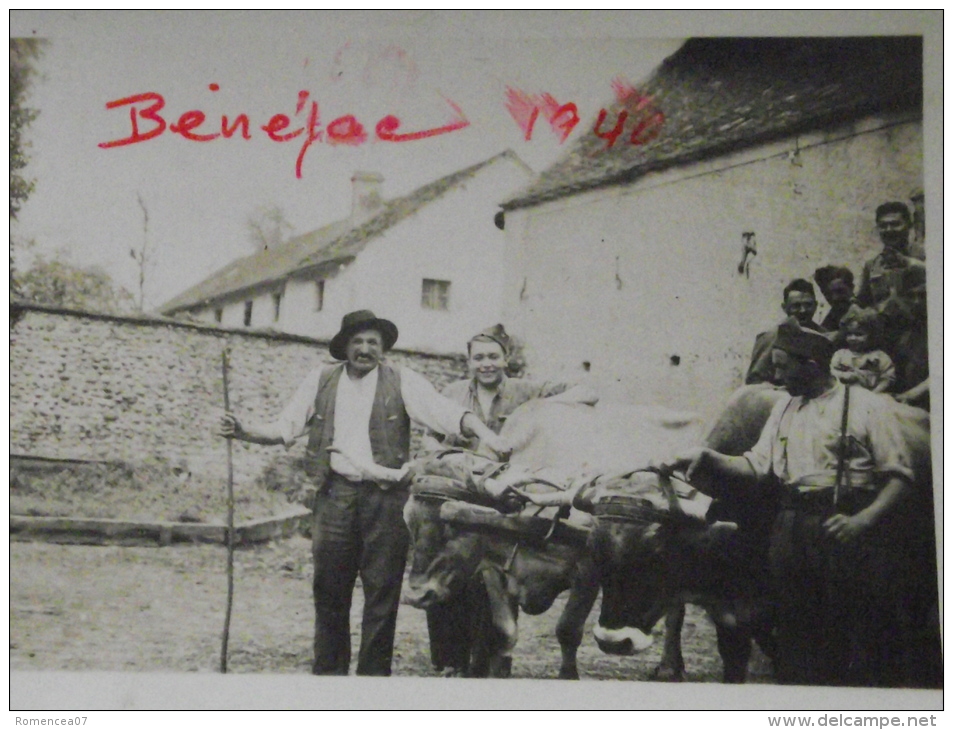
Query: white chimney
(365, 195)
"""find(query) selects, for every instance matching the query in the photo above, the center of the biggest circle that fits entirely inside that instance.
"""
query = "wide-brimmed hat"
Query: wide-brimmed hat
(354, 322)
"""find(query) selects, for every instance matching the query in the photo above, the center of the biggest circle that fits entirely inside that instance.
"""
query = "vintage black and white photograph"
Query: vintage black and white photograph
(455, 345)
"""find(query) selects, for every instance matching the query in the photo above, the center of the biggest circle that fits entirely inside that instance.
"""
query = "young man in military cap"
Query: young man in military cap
(357, 416)
(492, 396)
(840, 554)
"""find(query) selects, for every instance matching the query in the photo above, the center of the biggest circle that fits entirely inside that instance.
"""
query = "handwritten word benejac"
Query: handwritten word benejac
(525, 109)
(345, 129)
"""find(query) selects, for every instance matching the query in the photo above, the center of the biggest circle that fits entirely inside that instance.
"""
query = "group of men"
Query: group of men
(851, 554)
(356, 416)
(892, 289)
(843, 476)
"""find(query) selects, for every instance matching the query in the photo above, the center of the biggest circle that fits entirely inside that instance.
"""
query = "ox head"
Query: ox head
(650, 556)
(440, 565)
(635, 546)
(538, 557)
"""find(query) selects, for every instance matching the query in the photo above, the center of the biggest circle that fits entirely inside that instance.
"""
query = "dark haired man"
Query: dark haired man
(357, 416)
(799, 302)
(837, 286)
(883, 273)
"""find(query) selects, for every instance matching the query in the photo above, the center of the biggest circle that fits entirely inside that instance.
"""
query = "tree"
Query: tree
(141, 256)
(267, 227)
(58, 283)
(23, 53)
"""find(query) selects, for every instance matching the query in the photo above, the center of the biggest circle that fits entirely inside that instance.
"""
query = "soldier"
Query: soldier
(492, 396)
(882, 274)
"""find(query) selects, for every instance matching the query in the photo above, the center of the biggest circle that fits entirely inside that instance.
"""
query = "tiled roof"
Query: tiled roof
(321, 251)
(719, 95)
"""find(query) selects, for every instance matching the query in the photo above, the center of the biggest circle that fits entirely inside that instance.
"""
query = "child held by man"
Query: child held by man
(861, 362)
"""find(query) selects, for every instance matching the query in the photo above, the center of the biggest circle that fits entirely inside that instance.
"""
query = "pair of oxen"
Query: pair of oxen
(580, 508)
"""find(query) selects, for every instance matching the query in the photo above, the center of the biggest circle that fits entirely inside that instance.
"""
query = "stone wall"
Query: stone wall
(95, 387)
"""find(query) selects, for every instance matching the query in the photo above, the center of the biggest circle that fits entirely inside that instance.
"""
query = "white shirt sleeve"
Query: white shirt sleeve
(293, 420)
(761, 455)
(428, 407)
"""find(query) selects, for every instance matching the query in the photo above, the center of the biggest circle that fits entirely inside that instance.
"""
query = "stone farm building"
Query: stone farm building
(627, 261)
(431, 260)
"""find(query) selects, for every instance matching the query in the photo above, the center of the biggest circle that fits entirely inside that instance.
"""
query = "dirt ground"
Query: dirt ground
(122, 608)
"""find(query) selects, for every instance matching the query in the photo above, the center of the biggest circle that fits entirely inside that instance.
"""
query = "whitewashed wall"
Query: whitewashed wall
(630, 278)
(451, 239)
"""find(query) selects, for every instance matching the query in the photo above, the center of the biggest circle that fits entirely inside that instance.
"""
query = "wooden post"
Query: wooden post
(230, 570)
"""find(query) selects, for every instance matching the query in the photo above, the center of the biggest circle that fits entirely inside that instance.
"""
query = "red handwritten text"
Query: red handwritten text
(144, 110)
(646, 120)
(634, 120)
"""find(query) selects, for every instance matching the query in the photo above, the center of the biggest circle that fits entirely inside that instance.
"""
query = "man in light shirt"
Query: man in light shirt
(850, 540)
(357, 416)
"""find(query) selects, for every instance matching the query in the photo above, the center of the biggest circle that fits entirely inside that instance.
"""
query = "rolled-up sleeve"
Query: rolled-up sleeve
(890, 441)
(293, 420)
(428, 407)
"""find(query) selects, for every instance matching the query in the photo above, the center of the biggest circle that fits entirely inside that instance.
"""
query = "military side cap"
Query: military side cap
(796, 340)
(496, 334)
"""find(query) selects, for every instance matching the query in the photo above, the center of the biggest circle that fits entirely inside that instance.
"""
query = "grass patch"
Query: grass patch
(152, 490)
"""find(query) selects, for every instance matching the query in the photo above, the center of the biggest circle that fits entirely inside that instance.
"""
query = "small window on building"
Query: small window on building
(276, 298)
(435, 294)
(218, 315)
(248, 313)
(319, 295)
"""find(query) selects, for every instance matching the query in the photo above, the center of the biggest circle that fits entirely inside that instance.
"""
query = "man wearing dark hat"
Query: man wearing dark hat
(492, 396)
(357, 418)
(837, 545)
(881, 277)
(800, 303)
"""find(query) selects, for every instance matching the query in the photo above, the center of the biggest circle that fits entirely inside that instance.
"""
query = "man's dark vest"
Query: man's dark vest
(389, 427)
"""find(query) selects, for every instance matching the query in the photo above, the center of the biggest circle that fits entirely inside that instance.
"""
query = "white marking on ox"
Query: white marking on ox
(625, 641)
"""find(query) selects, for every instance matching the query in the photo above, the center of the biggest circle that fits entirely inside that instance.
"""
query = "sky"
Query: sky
(427, 68)
(200, 195)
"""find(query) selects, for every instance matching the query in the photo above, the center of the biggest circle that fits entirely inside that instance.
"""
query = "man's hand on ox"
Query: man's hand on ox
(687, 463)
(498, 445)
(384, 476)
(473, 426)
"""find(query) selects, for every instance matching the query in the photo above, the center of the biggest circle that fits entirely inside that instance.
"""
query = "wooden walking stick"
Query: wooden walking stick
(231, 526)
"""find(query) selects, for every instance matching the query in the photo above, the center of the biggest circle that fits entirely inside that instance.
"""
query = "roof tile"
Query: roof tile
(723, 94)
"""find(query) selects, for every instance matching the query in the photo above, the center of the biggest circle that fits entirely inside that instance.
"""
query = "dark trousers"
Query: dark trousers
(849, 614)
(461, 631)
(358, 530)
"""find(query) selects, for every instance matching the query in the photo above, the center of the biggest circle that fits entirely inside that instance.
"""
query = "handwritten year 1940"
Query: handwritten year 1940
(305, 125)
